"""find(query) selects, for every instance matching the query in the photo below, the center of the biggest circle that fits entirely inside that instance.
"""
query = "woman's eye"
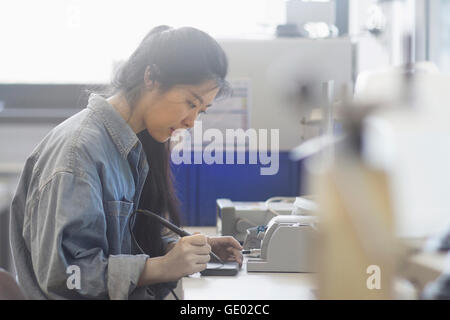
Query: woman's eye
(192, 105)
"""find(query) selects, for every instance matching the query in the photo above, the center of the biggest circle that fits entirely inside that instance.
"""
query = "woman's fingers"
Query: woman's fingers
(234, 243)
(197, 239)
(202, 250)
(227, 241)
(226, 247)
(202, 259)
(234, 255)
(199, 267)
(198, 245)
(234, 251)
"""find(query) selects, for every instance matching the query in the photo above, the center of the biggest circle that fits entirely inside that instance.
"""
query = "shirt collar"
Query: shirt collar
(121, 133)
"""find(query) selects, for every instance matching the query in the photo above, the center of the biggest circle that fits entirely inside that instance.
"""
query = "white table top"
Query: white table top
(248, 285)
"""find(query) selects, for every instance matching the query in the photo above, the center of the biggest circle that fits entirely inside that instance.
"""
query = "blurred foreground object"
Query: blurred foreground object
(386, 183)
(357, 249)
(439, 289)
(386, 186)
(410, 139)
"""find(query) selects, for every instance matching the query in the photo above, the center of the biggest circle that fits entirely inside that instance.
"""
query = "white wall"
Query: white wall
(77, 41)
(275, 65)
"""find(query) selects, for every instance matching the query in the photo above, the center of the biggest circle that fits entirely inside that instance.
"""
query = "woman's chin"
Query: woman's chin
(162, 139)
(159, 137)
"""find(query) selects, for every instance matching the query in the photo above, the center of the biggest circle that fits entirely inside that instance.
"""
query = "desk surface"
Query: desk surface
(248, 286)
(421, 268)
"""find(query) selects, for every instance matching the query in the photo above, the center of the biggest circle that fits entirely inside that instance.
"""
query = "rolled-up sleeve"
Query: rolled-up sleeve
(68, 239)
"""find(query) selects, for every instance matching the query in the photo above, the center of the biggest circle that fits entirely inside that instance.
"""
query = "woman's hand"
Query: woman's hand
(189, 255)
(226, 248)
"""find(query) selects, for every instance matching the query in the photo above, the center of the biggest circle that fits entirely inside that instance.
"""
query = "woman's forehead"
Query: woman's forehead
(200, 89)
(200, 92)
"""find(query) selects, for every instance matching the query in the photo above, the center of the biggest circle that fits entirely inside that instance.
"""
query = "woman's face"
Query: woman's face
(177, 108)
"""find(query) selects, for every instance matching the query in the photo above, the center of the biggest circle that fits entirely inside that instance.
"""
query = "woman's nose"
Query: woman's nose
(189, 121)
(188, 124)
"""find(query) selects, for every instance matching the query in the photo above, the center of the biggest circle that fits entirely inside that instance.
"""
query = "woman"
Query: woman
(72, 231)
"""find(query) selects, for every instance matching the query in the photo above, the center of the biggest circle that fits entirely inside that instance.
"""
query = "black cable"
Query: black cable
(133, 217)
(173, 293)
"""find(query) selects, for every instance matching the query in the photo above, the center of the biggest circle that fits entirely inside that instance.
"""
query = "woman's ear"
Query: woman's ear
(150, 83)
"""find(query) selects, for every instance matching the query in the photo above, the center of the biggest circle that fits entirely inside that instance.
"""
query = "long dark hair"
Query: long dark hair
(175, 56)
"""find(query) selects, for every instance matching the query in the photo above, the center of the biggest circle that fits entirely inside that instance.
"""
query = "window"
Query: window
(439, 34)
(78, 41)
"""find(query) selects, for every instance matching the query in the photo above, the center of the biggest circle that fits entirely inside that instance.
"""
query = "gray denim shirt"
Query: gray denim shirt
(72, 206)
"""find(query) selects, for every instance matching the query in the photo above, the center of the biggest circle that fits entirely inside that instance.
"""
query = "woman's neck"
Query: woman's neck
(129, 114)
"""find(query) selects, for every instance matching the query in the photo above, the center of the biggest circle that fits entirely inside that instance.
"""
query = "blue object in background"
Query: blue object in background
(199, 185)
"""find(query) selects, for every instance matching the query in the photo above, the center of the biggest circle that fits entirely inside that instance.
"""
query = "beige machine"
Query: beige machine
(281, 235)
(235, 218)
(287, 245)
